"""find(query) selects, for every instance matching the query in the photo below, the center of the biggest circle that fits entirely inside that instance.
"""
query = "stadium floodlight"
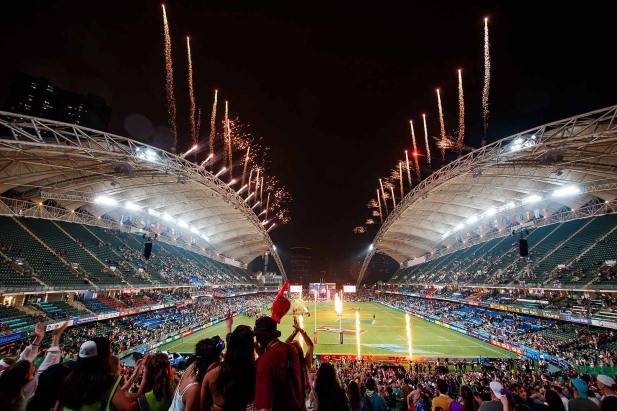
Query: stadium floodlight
(472, 219)
(566, 191)
(371, 247)
(167, 217)
(205, 237)
(531, 199)
(147, 154)
(105, 200)
(183, 224)
(459, 227)
(509, 206)
(490, 212)
(273, 247)
(132, 206)
(153, 212)
(194, 230)
(446, 234)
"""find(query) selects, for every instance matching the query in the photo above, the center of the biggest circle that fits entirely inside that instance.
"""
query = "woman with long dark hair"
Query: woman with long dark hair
(207, 355)
(553, 400)
(354, 397)
(12, 381)
(90, 384)
(328, 392)
(231, 386)
(467, 400)
(157, 383)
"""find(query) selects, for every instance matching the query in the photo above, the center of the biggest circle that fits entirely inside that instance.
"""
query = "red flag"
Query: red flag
(281, 304)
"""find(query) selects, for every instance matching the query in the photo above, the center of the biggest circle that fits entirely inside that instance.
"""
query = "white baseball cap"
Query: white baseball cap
(606, 380)
(88, 350)
(496, 387)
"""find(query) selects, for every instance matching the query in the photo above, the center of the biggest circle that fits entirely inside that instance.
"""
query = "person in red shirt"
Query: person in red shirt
(279, 385)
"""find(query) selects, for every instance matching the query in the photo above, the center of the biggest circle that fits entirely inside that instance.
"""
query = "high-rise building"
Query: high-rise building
(301, 263)
(38, 97)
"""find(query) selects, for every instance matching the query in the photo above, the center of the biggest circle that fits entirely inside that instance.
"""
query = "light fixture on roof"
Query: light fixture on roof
(167, 217)
(182, 224)
(371, 247)
(531, 199)
(459, 227)
(105, 200)
(132, 206)
(509, 206)
(205, 237)
(566, 191)
(446, 234)
(147, 154)
(472, 219)
(153, 212)
(194, 230)
(490, 212)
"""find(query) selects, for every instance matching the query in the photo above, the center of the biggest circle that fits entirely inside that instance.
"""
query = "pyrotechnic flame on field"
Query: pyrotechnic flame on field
(169, 79)
(428, 147)
(442, 125)
(228, 139)
(383, 196)
(246, 164)
(213, 122)
(193, 130)
(358, 355)
(487, 78)
(415, 149)
(408, 331)
(400, 178)
(338, 304)
(379, 202)
(461, 113)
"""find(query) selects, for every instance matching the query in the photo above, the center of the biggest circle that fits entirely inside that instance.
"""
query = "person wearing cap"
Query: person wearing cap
(608, 388)
(581, 401)
(496, 403)
(279, 385)
(90, 385)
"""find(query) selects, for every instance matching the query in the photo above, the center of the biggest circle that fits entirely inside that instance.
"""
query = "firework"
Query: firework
(169, 78)
(393, 198)
(193, 130)
(383, 196)
(261, 189)
(257, 181)
(461, 113)
(442, 126)
(246, 164)
(428, 147)
(198, 126)
(379, 202)
(408, 332)
(415, 150)
(400, 178)
(227, 139)
(250, 178)
(487, 78)
(407, 167)
(267, 205)
(213, 122)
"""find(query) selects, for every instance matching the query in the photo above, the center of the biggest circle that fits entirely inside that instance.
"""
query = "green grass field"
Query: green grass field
(385, 335)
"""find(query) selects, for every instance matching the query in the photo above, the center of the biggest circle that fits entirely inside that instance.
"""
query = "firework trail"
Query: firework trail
(193, 131)
(379, 202)
(227, 139)
(198, 126)
(487, 78)
(261, 189)
(428, 147)
(213, 122)
(257, 183)
(442, 126)
(408, 170)
(249, 183)
(461, 113)
(393, 198)
(400, 178)
(169, 79)
(267, 205)
(415, 149)
(383, 195)
(246, 165)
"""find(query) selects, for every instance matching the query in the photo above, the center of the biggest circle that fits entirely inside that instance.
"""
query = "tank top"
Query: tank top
(176, 403)
(98, 405)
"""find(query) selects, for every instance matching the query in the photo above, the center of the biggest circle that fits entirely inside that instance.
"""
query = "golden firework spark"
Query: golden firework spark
(461, 113)
(487, 78)
(400, 178)
(267, 205)
(408, 170)
(213, 122)
(246, 164)
(393, 198)
(383, 196)
(442, 126)
(428, 147)
(415, 149)
(379, 202)
(257, 182)
(192, 109)
(169, 79)
(261, 189)
(228, 140)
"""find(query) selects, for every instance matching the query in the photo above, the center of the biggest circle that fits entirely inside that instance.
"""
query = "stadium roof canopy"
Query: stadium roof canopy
(103, 179)
(568, 163)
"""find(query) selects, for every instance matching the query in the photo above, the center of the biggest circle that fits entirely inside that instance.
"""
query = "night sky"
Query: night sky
(330, 86)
